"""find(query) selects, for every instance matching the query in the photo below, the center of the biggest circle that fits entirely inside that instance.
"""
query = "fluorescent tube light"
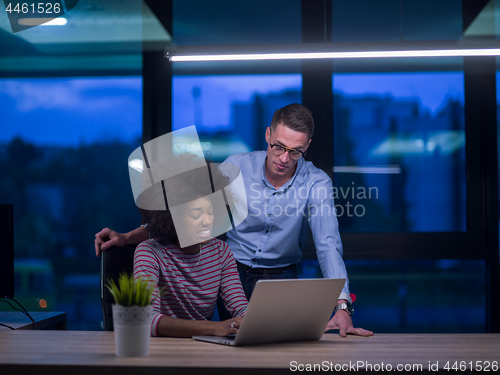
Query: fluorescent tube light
(59, 21)
(388, 169)
(339, 55)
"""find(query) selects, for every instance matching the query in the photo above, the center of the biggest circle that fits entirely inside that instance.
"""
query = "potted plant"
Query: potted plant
(132, 313)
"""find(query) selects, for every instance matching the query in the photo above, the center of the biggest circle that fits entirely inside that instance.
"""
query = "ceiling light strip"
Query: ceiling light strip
(389, 169)
(340, 55)
(59, 21)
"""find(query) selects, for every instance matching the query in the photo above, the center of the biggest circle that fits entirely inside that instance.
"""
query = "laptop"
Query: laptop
(285, 310)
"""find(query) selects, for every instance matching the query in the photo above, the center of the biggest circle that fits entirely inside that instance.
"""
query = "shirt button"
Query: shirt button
(267, 231)
(260, 250)
(268, 215)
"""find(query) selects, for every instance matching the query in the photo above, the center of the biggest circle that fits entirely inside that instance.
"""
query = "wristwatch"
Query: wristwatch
(346, 306)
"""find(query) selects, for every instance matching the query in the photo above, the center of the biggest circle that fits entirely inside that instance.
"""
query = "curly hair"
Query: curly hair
(180, 189)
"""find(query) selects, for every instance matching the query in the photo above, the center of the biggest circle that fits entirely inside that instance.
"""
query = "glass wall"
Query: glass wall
(399, 143)
(396, 20)
(222, 22)
(231, 112)
(415, 296)
(63, 154)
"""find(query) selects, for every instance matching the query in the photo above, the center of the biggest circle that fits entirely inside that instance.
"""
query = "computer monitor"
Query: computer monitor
(6, 251)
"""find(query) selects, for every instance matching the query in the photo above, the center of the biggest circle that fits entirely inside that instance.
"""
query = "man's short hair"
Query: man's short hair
(296, 117)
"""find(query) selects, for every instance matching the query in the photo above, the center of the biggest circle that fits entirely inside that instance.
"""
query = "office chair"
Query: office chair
(115, 260)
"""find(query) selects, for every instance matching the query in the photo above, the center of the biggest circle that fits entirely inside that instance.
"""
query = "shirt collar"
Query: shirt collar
(287, 184)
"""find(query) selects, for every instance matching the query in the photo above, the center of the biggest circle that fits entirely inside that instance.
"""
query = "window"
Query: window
(232, 112)
(63, 152)
(415, 296)
(395, 20)
(222, 22)
(399, 142)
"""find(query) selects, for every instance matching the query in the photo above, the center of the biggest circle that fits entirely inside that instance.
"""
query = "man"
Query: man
(285, 195)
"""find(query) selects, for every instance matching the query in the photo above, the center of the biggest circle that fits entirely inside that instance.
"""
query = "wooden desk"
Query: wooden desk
(79, 352)
(43, 320)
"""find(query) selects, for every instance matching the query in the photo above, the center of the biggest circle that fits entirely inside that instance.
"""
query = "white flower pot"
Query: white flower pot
(132, 326)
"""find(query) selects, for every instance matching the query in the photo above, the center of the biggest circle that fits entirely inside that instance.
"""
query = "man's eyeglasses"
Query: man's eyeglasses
(280, 150)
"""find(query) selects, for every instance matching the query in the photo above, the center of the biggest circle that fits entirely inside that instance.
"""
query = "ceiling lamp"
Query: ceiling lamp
(464, 48)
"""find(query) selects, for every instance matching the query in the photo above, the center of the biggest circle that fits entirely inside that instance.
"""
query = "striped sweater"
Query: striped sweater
(190, 282)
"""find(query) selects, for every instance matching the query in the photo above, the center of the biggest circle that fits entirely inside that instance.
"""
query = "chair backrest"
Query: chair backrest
(114, 261)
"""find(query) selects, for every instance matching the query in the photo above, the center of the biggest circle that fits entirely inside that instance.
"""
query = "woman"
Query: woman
(190, 277)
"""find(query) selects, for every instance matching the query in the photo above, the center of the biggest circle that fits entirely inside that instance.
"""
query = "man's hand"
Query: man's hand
(343, 322)
(107, 238)
(226, 327)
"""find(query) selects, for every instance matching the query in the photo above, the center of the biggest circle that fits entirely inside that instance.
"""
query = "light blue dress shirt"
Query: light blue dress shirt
(276, 227)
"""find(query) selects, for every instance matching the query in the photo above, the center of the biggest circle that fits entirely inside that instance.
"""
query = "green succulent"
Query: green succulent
(130, 292)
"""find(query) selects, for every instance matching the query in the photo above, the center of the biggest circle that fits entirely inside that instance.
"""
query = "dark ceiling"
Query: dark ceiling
(112, 33)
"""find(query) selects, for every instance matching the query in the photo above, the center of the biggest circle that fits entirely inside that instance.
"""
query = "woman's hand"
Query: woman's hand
(226, 327)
